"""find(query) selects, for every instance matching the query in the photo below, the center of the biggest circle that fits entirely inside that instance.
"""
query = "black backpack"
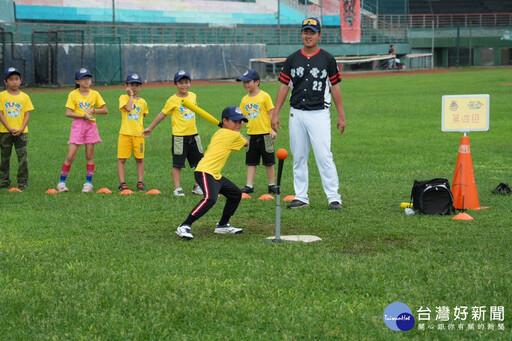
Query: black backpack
(432, 197)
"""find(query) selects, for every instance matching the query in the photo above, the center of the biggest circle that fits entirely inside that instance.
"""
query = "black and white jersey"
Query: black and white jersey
(310, 78)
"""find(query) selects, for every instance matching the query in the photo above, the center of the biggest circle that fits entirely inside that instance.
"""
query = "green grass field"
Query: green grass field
(109, 267)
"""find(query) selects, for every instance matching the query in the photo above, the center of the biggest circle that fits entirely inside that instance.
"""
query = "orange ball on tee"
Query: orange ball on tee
(282, 154)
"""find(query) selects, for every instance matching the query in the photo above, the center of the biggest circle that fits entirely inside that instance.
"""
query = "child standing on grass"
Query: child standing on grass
(15, 108)
(186, 143)
(133, 109)
(81, 106)
(257, 106)
(207, 175)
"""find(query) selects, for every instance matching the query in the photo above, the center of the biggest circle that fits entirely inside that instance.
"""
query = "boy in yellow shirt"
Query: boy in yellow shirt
(257, 106)
(186, 143)
(211, 181)
(133, 109)
(15, 108)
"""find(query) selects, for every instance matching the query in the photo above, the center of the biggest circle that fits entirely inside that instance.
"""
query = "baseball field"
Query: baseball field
(93, 266)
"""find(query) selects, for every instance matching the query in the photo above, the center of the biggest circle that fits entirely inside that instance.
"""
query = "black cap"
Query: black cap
(234, 114)
(82, 73)
(312, 23)
(249, 75)
(133, 78)
(11, 71)
(181, 74)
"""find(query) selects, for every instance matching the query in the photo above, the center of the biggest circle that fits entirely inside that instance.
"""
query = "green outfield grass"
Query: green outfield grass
(79, 266)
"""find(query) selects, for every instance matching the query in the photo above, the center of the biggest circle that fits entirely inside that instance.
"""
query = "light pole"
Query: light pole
(114, 16)
(113, 12)
(432, 50)
(279, 22)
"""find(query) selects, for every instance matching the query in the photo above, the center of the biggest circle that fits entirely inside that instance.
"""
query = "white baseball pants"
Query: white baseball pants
(312, 128)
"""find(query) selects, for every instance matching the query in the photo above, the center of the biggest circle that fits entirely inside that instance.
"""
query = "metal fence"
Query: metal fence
(151, 34)
(380, 29)
(463, 20)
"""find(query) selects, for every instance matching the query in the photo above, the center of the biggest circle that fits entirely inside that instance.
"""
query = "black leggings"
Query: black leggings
(211, 189)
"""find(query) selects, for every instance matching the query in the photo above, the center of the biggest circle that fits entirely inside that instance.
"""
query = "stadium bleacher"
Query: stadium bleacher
(406, 23)
(459, 6)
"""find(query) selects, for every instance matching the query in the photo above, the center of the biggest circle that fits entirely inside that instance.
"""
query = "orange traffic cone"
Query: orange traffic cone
(463, 216)
(104, 190)
(465, 195)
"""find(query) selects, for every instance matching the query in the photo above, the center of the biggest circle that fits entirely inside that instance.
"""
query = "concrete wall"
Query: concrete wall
(7, 11)
(276, 51)
(203, 61)
(152, 62)
(473, 41)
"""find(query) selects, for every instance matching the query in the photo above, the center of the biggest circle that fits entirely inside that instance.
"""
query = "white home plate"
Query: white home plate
(298, 238)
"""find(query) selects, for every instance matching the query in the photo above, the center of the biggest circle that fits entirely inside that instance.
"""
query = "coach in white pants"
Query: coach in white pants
(313, 75)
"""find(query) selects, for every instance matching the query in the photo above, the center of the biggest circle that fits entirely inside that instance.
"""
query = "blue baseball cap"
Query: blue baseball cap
(181, 74)
(249, 75)
(312, 24)
(134, 78)
(234, 114)
(82, 73)
(11, 71)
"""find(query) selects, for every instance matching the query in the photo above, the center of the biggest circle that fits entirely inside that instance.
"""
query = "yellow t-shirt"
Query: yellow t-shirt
(14, 108)
(256, 110)
(132, 121)
(79, 103)
(183, 119)
(223, 142)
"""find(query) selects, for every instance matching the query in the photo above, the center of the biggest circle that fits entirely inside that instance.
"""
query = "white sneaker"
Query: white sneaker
(197, 190)
(227, 229)
(179, 192)
(87, 188)
(183, 231)
(61, 187)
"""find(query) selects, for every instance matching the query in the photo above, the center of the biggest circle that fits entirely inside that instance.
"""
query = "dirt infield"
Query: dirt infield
(354, 74)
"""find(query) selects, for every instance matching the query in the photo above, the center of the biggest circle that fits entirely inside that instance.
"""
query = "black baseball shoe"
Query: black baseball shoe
(334, 206)
(297, 204)
(247, 189)
(502, 189)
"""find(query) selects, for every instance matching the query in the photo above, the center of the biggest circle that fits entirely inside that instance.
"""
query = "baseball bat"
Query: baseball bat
(200, 111)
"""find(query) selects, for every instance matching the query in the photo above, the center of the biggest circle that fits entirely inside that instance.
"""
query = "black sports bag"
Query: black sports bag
(432, 196)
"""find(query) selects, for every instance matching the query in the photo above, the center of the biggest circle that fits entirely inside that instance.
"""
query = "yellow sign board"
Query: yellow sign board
(465, 113)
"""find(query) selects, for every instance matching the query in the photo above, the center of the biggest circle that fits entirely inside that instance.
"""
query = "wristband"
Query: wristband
(94, 111)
